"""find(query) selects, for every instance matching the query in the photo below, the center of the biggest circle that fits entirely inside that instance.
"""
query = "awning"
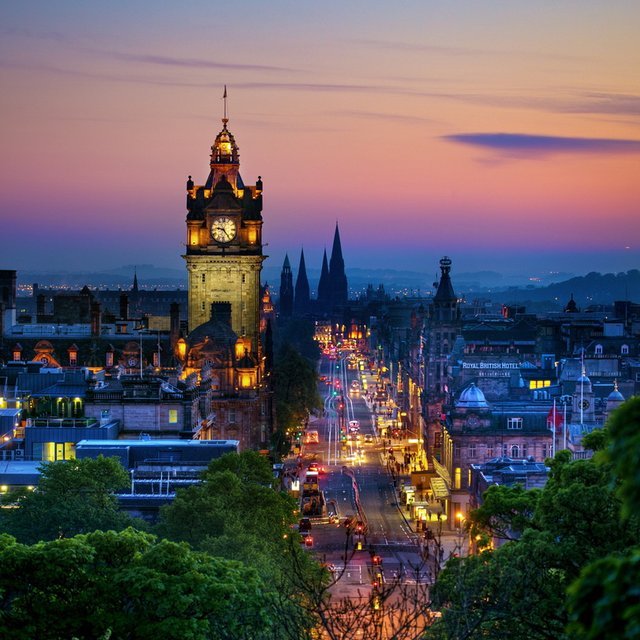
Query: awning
(439, 488)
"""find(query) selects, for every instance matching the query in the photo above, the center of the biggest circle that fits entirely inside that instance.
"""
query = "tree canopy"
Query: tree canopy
(571, 564)
(126, 585)
(72, 497)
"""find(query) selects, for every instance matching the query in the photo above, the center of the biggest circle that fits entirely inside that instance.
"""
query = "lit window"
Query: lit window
(457, 478)
(173, 416)
(245, 381)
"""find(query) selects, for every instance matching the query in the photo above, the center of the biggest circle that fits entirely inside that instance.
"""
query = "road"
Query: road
(356, 483)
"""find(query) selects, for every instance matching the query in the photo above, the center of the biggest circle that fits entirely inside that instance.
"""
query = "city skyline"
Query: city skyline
(506, 137)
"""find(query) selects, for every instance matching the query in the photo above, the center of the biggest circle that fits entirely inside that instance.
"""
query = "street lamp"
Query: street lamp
(461, 521)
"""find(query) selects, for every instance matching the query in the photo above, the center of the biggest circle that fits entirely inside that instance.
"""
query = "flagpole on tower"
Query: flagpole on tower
(224, 97)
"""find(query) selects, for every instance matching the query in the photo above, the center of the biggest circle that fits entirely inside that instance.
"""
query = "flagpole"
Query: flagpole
(553, 448)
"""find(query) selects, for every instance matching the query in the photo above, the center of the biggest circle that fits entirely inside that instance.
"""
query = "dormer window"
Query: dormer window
(624, 350)
(598, 350)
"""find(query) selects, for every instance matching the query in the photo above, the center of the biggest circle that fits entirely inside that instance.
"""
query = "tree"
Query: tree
(571, 530)
(126, 585)
(505, 512)
(235, 514)
(72, 497)
(249, 466)
(603, 601)
(296, 389)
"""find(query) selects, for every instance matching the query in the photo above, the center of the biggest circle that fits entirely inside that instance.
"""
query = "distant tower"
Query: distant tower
(324, 286)
(286, 289)
(443, 327)
(301, 303)
(337, 276)
(571, 306)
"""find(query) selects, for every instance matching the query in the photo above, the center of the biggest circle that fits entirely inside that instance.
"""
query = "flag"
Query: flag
(554, 419)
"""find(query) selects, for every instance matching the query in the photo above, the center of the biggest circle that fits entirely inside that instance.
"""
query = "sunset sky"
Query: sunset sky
(503, 134)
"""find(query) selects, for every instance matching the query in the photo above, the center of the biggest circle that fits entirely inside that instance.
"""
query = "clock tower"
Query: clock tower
(224, 242)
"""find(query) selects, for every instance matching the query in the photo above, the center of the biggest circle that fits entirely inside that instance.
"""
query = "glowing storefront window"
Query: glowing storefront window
(173, 416)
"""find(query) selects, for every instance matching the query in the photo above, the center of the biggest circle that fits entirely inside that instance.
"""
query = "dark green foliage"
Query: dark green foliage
(125, 585)
(605, 600)
(234, 514)
(296, 388)
(505, 512)
(578, 536)
(73, 496)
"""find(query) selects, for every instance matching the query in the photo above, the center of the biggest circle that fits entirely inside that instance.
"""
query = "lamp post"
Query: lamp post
(461, 526)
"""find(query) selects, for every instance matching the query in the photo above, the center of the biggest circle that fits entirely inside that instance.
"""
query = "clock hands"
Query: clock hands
(221, 229)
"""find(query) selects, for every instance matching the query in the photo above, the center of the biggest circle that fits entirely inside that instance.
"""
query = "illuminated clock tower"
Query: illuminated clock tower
(224, 242)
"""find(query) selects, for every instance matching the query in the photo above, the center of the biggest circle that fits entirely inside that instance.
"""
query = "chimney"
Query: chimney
(124, 306)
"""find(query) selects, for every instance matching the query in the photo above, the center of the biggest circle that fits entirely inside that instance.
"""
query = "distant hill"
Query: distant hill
(594, 288)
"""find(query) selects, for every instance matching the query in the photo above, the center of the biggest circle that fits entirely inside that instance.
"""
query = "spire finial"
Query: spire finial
(224, 97)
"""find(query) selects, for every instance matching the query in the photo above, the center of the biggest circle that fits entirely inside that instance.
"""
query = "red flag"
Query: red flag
(554, 419)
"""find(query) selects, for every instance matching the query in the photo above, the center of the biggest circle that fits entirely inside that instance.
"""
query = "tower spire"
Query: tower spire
(301, 300)
(337, 275)
(225, 119)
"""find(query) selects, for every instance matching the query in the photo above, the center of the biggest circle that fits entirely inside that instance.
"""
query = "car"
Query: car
(368, 438)
(308, 541)
(304, 525)
(313, 466)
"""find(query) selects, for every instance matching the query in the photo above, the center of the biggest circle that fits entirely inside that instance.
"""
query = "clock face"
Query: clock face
(473, 421)
(223, 229)
(584, 404)
(132, 362)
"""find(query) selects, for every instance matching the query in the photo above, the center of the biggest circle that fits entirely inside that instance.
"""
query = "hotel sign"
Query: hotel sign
(490, 365)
